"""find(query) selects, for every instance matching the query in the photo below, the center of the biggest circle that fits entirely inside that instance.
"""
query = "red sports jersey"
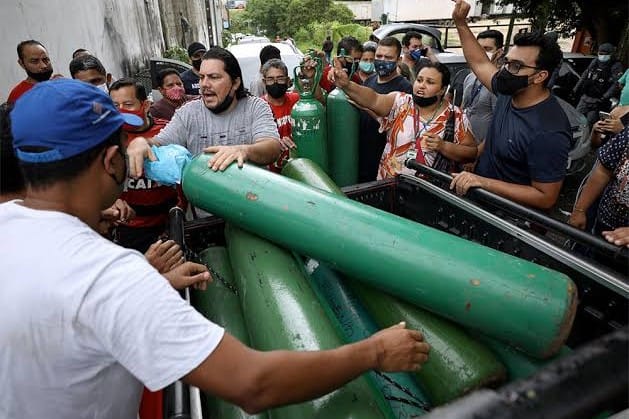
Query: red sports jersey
(281, 113)
(150, 200)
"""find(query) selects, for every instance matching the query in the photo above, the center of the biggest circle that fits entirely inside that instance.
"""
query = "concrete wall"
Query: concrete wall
(122, 33)
(194, 11)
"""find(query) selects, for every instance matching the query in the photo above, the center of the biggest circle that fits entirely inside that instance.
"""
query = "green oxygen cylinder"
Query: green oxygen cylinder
(308, 120)
(220, 304)
(405, 398)
(282, 312)
(456, 365)
(343, 136)
(508, 298)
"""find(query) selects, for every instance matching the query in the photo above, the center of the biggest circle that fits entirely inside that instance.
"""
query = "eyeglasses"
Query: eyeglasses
(514, 67)
(272, 80)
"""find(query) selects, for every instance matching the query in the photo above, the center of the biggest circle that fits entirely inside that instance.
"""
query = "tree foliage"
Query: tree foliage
(268, 15)
(606, 20)
(313, 35)
(287, 17)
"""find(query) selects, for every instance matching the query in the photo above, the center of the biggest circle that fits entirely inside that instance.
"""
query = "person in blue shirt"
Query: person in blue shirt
(526, 149)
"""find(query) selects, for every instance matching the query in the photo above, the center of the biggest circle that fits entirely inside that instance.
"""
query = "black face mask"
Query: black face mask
(350, 67)
(506, 83)
(422, 101)
(222, 107)
(40, 76)
(276, 90)
(197, 64)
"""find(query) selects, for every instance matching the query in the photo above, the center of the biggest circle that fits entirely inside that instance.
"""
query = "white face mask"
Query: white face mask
(604, 57)
(103, 87)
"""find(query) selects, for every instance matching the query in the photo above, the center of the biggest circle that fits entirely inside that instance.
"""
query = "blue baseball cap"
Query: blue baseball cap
(66, 117)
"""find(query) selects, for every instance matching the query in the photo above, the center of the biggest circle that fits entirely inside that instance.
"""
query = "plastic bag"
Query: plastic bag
(168, 168)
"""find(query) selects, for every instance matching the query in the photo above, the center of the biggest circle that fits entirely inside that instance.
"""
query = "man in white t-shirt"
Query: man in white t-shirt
(85, 322)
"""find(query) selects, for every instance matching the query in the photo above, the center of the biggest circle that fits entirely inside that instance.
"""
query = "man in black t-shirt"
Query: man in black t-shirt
(526, 149)
(385, 80)
(598, 83)
(190, 78)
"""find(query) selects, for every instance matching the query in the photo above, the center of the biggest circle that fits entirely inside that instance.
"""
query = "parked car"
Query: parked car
(573, 65)
(252, 39)
(431, 36)
(248, 56)
(148, 76)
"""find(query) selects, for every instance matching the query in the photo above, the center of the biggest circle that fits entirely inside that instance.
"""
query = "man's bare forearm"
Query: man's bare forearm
(264, 151)
(523, 194)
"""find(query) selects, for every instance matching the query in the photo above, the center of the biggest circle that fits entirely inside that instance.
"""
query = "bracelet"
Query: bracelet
(578, 210)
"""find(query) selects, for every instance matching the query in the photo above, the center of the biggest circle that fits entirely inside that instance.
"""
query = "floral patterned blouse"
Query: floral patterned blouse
(404, 131)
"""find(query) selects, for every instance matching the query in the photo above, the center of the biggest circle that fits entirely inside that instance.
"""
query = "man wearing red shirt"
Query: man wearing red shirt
(150, 200)
(276, 81)
(33, 58)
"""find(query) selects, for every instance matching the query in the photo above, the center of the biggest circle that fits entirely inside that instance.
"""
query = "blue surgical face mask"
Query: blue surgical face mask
(417, 54)
(604, 57)
(385, 68)
(366, 67)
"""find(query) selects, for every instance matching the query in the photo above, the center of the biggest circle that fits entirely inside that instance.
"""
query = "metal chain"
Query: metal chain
(416, 402)
(190, 255)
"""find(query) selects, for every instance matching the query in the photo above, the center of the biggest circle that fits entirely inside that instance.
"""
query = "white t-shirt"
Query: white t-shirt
(83, 322)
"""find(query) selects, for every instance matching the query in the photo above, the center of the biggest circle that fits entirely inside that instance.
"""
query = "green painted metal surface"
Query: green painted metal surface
(309, 121)
(518, 364)
(447, 374)
(282, 312)
(457, 364)
(343, 135)
(405, 398)
(307, 172)
(505, 297)
(220, 304)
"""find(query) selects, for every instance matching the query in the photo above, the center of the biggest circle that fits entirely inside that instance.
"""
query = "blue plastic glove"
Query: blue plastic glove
(168, 168)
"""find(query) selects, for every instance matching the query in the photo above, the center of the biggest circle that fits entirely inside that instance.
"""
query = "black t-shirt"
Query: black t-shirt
(190, 82)
(372, 142)
(528, 144)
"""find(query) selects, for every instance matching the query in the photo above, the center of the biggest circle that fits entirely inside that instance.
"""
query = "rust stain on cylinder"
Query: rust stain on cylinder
(468, 306)
(251, 196)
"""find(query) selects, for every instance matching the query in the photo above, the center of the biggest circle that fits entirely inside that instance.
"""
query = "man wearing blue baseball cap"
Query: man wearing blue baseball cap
(86, 322)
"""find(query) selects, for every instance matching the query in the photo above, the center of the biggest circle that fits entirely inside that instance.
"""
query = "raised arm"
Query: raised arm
(474, 53)
(364, 97)
(260, 380)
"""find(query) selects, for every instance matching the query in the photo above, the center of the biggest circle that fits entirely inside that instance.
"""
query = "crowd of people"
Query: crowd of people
(77, 200)
(106, 318)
